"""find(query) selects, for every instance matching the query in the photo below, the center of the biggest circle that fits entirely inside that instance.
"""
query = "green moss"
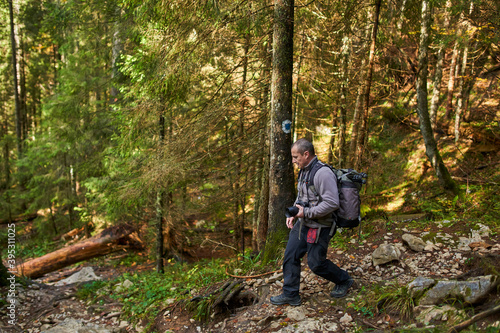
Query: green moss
(275, 244)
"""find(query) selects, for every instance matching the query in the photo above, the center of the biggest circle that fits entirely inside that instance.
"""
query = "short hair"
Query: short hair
(304, 145)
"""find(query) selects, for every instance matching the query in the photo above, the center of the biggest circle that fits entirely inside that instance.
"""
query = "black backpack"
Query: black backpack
(349, 183)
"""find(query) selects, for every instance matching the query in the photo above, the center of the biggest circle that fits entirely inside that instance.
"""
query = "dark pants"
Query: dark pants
(316, 259)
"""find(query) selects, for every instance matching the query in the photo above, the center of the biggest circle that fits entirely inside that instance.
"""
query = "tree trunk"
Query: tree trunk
(159, 204)
(258, 178)
(461, 93)
(451, 82)
(110, 240)
(160, 198)
(14, 72)
(438, 75)
(6, 152)
(297, 94)
(462, 81)
(116, 50)
(356, 120)
(401, 17)
(239, 219)
(431, 149)
(261, 168)
(333, 133)
(281, 179)
(363, 131)
(342, 123)
(263, 212)
(263, 218)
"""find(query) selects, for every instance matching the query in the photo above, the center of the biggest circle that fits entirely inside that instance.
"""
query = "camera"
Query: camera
(294, 210)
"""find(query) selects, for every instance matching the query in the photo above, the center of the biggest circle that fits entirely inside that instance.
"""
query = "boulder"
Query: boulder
(419, 285)
(86, 274)
(385, 253)
(471, 291)
(415, 243)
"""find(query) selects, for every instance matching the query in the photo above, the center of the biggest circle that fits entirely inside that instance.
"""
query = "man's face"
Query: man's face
(302, 160)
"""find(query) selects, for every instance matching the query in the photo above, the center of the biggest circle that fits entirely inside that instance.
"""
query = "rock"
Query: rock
(385, 253)
(310, 325)
(123, 285)
(419, 285)
(431, 314)
(463, 244)
(470, 291)
(415, 243)
(482, 231)
(345, 319)
(275, 277)
(70, 325)
(298, 313)
(86, 274)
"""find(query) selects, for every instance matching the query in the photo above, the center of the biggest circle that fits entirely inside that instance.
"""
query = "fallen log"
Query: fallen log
(112, 239)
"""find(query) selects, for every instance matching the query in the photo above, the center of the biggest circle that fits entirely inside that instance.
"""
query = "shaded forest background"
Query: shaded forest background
(159, 112)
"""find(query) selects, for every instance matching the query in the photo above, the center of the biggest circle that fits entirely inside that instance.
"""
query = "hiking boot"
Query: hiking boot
(340, 290)
(282, 299)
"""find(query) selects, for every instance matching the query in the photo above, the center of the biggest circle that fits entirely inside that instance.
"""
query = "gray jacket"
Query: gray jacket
(321, 207)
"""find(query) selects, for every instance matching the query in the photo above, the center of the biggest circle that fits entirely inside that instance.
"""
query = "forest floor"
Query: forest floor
(44, 305)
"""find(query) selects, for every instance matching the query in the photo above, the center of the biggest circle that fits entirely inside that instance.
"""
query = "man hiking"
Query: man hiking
(312, 232)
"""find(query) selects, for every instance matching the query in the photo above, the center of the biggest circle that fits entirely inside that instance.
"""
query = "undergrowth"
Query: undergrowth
(146, 293)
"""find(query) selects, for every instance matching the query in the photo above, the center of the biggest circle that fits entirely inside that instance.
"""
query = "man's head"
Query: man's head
(302, 153)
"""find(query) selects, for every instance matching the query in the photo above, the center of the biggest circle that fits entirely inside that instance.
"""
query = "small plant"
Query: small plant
(201, 308)
(88, 290)
(363, 303)
(396, 299)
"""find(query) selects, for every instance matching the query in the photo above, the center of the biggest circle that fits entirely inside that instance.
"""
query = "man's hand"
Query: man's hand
(301, 211)
(289, 220)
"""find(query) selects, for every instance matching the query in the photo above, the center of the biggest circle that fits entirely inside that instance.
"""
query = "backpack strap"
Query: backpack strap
(310, 181)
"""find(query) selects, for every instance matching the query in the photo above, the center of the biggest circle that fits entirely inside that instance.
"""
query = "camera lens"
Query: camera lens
(291, 211)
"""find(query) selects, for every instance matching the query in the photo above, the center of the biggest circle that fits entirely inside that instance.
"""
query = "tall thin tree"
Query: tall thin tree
(431, 149)
(367, 87)
(14, 73)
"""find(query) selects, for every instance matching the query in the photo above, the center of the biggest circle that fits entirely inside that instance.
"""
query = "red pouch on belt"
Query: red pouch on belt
(311, 235)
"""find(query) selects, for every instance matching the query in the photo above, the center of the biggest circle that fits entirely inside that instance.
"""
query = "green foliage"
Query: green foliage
(364, 303)
(89, 290)
(34, 248)
(150, 291)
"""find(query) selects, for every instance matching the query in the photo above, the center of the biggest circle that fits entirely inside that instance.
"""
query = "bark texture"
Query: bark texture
(281, 179)
(431, 149)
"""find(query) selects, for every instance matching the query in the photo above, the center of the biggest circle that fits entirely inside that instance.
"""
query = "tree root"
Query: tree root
(479, 316)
